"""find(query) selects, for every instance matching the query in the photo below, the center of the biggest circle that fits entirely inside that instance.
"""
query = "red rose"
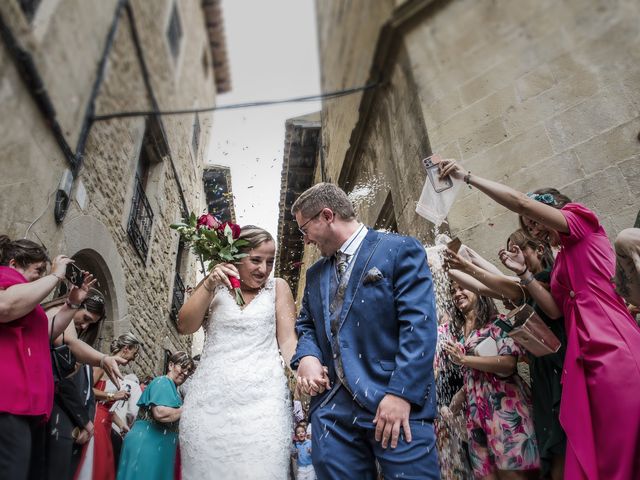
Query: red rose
(235, 229)
(209, 221)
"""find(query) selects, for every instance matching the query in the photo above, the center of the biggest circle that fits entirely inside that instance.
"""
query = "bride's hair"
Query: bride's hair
(254, 236)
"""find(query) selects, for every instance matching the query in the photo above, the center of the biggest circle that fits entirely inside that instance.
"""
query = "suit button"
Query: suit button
(335, 355)
(572, 294)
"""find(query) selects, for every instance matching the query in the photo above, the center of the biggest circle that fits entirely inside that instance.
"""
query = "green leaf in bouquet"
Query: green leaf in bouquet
(238, 256)
(228, 233)
(193, 220)
(212, 237)
(227, 257)
(178, 225)
(240, 243)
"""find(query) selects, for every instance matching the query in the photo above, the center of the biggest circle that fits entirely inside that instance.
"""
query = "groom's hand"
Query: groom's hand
(393, 413)
(312, 378)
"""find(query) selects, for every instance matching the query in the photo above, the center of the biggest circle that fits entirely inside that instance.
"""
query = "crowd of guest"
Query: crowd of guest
(557, 423)
(70, 413)
(67, 407)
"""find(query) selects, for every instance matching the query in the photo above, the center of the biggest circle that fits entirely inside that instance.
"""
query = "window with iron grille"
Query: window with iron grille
(178, 285)
(195, 139)
(178, 296)
(174, 32)
(140, 220)
(29, 8)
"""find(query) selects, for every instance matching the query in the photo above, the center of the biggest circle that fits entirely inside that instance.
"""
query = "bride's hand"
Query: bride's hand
(312, 376)
(220, 276)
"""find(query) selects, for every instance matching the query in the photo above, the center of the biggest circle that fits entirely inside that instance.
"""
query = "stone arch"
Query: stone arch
(89, 242)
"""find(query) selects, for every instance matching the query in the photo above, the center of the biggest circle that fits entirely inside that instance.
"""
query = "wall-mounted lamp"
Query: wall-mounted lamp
(63, 196)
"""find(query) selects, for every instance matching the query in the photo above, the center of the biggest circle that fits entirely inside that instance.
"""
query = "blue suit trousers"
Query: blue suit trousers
(344, 445)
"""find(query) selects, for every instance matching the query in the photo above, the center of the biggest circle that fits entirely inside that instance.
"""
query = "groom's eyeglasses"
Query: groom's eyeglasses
(301, 228)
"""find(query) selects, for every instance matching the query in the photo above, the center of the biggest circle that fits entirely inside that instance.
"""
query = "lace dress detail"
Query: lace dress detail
(237, 419)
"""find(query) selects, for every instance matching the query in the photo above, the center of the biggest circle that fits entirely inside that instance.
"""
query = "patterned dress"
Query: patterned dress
(499, 412)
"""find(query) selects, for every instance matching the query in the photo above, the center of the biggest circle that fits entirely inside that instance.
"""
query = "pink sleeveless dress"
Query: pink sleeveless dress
(600, 408)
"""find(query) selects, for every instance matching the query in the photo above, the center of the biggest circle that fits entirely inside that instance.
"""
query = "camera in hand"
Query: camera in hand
(74, 275)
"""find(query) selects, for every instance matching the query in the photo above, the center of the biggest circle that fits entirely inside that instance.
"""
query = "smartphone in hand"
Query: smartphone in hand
(431, 165)
(74, 275)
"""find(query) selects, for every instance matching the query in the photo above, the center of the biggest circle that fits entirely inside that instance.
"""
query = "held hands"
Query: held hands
(393, 413)
(312, 377)
(513, 259)
(220, 276)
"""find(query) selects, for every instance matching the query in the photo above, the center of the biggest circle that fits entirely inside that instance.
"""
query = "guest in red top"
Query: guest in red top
(26, 376)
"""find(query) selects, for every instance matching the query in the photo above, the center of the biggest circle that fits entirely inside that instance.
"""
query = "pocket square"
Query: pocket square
(372, 276)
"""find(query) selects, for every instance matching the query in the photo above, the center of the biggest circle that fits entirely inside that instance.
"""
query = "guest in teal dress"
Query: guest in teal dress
(149, 449)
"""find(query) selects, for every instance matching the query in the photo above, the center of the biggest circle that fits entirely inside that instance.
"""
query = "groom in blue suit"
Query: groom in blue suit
(367, 337)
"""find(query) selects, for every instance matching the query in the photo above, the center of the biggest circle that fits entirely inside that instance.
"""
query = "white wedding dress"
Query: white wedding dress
(237, 420)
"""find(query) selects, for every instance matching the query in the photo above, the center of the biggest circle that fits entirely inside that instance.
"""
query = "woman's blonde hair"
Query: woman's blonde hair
(254, 236)
(124, 340)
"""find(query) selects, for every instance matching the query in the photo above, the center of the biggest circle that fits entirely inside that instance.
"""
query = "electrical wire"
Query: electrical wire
(307, 98)
(26, 233)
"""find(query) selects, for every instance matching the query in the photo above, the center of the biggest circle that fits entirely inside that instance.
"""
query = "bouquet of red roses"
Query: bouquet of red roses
(215, 242)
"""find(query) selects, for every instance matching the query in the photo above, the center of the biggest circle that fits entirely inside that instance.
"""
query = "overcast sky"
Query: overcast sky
(272, 51)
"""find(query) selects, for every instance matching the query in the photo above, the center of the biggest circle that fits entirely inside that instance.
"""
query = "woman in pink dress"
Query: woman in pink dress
(600, 408)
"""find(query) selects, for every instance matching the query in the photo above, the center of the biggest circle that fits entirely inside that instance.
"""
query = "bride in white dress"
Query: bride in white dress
(237, 420)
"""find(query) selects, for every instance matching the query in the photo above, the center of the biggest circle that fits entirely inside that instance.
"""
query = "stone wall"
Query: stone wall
(139, 293)
(531, 93)
(534, 93)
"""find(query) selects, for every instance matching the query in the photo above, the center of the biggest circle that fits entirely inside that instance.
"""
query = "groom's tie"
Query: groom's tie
(342, 261)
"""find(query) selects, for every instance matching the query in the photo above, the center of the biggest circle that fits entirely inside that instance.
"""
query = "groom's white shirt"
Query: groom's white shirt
(351, 245)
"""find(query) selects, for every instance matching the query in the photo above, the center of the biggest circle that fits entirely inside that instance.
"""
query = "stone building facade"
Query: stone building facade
(531, 93)
(105, 189)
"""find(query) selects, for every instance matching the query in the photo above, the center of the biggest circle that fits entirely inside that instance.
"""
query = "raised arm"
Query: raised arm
(514, 261)
(502, 285)
(468, 282)
(85, 353)
(285, 320)
(506, 196)
(192, 313)
(18, 300)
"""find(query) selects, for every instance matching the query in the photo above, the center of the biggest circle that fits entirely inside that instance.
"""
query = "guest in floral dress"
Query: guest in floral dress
(502, 442)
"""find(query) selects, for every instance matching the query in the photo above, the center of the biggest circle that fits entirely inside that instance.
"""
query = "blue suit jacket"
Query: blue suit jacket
(388, 328)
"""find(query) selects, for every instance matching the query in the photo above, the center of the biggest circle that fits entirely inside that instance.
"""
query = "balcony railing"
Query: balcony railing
(140, 220)
(178, 297)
